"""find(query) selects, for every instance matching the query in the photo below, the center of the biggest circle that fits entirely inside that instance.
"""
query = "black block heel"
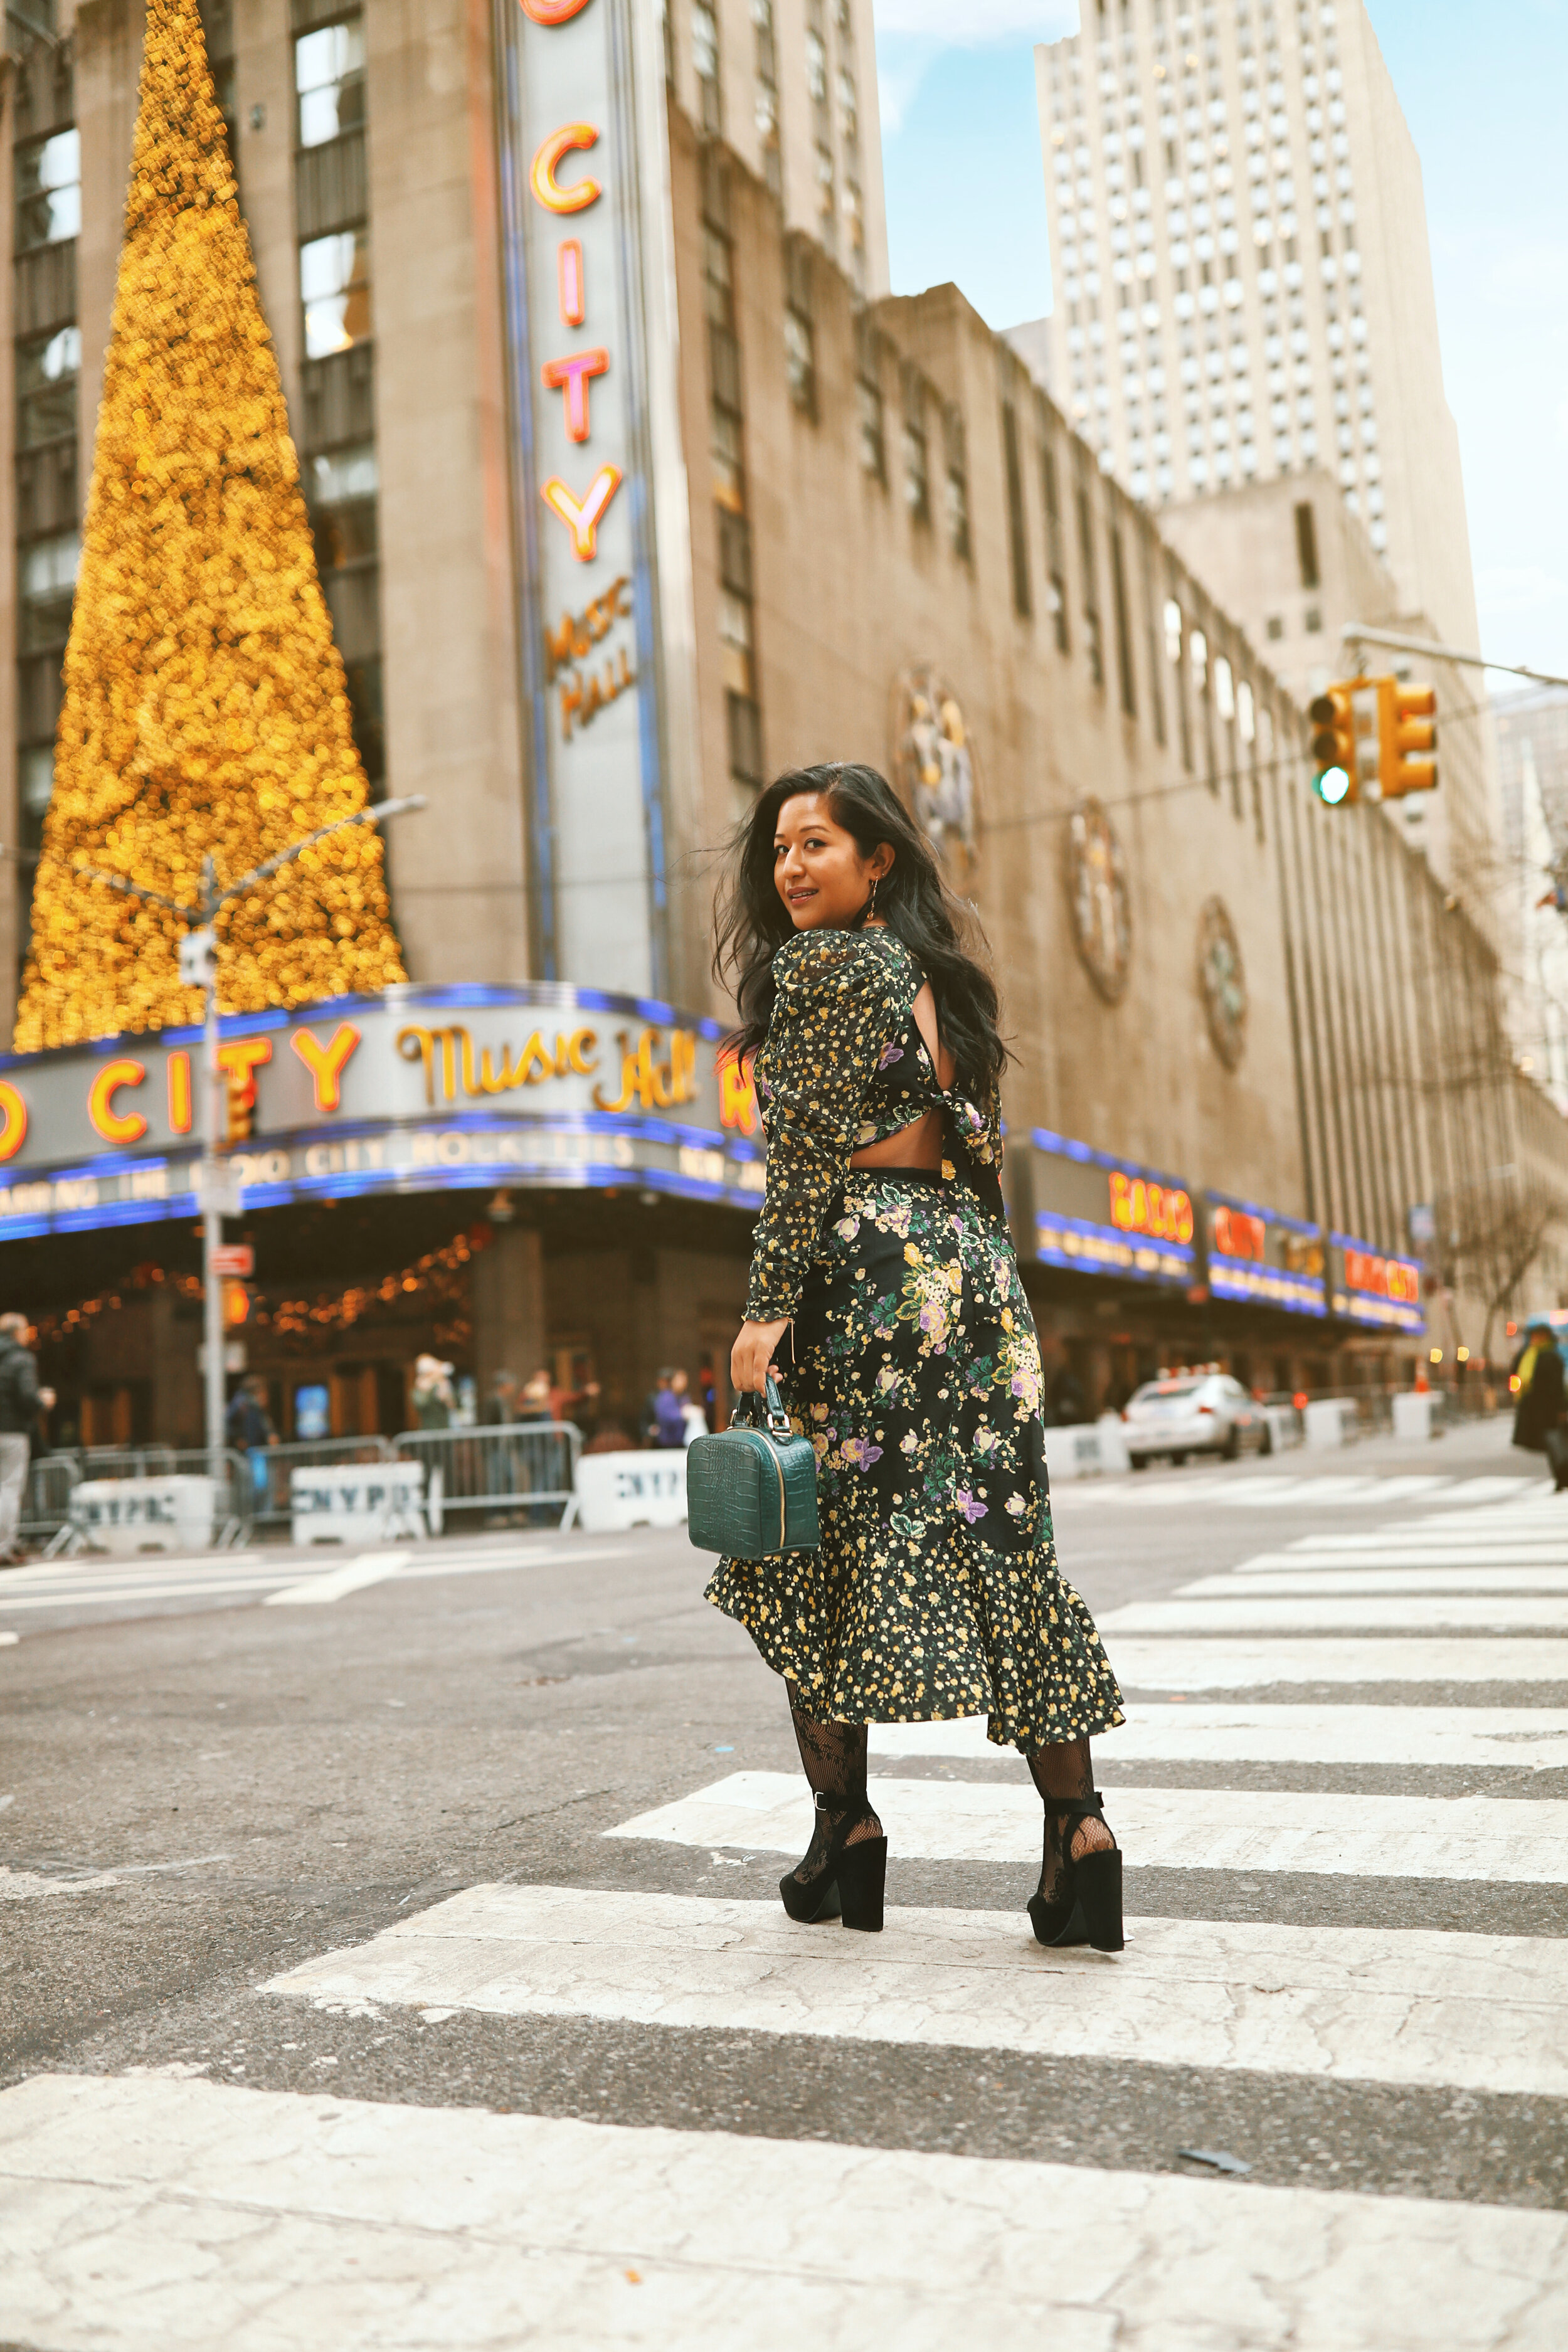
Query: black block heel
(1089, 1910)
(850, 1885)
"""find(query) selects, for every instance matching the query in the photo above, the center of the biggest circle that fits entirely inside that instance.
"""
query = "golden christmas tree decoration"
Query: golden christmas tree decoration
(204, 706)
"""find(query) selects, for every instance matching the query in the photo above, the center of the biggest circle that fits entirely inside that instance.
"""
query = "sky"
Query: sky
(1482, 84)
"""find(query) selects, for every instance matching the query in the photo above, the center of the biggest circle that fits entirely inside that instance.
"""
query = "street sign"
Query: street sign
(235, 1260)
(218, 1187)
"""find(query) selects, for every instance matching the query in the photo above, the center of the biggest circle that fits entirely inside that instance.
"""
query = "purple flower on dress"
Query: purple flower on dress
(889, 1055)
(860, 1453)
(972, 1509)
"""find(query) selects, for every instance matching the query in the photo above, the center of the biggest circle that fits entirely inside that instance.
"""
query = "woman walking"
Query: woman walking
(884, 1293)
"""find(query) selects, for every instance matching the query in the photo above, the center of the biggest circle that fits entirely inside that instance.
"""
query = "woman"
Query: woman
(884, 1293)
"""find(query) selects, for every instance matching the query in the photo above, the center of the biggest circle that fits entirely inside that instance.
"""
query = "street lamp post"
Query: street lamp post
(198, 969)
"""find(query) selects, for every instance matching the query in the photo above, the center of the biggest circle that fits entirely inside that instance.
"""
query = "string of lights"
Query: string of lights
(437, 1277)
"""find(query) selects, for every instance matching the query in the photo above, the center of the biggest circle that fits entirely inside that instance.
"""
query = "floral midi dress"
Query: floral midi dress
(915, 1368)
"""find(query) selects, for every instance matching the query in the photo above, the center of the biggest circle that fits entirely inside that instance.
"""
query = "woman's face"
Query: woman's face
(818, 870)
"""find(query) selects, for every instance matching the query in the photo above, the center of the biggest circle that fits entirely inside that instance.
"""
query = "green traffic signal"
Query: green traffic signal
(1332, 784)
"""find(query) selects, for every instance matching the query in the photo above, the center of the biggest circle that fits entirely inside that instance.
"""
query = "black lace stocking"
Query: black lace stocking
(833, 1756)
(1065, 1770)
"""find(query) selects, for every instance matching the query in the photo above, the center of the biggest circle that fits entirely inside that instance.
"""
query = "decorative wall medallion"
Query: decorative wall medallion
(1101, 903)
(1222, 980)
(933, 766)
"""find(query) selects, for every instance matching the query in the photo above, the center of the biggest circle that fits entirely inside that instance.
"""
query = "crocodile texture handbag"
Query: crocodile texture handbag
(750, 1492)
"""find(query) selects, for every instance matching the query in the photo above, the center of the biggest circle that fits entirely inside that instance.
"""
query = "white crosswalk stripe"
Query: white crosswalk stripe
(1169, 1829)
(287, 1577)
(265, 2223)
(1516, 1739)
(224, 2214)
(1475, 2011)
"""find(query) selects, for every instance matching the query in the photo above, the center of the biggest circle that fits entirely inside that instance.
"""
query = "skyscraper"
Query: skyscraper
(1242, 279)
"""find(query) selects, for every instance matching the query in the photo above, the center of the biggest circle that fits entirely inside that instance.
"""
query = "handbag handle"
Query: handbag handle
(775, 1418)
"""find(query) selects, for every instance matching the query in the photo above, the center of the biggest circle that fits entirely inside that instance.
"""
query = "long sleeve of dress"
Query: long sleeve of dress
(830, 1020)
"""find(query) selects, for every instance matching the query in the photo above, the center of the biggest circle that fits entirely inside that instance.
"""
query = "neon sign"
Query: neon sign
(548, 157)
(1236, 1232)
(1138, 1205)
(1382, 1278)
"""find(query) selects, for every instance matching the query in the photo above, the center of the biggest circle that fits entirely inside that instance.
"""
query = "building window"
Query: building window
(1307, 544)
(47, 220)
(873, 430)
(800, 336)
(329, 81)
(1125, 674)
(767, 103)
(48, 369)
(956, 499)
(1091, 627)
(705, 64)
(917, 459)
(1017, 531)
(337, 438)
(1055, 580)
(48, 189)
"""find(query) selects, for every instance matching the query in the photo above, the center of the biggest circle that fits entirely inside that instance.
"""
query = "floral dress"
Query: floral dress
(915, 1367)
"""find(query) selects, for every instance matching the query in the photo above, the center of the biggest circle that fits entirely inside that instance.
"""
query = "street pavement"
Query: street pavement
(390, 1955)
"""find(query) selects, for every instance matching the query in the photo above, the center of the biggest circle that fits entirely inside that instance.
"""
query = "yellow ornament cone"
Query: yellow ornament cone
(205, 709)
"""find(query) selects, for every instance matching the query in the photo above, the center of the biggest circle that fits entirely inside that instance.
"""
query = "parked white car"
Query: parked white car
(1193, 1412)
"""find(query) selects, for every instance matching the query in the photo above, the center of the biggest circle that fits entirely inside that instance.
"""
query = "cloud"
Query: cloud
(976, 22)
(1507, 590)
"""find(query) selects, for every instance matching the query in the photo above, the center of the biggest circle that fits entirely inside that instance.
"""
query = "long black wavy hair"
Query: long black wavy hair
(751, 921)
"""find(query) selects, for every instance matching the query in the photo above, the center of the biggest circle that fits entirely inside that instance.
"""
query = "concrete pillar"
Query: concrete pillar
(510, 1332)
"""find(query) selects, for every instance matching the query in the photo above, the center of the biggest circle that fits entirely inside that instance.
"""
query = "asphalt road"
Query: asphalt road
(1343, 1798)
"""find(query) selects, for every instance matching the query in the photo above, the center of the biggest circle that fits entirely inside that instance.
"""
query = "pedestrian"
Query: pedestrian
(1069, 1405)
(248, 1428)
(1538, 1424)
(885, 1292)
(693, 1420)
(669, 1410)
(21, 1403)
(431, 1396)
(535, 1404)
(647, 1428)
(501, 1405)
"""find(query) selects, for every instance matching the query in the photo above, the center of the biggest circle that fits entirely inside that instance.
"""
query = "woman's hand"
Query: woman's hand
(752, 1357)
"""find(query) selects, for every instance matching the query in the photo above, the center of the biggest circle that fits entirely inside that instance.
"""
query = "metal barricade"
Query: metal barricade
(272, 1468)
(46, 1502)
(512, 1467)
(54, 1478)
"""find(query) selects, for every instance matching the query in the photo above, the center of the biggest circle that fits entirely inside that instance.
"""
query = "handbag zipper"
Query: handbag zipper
(778, 1473)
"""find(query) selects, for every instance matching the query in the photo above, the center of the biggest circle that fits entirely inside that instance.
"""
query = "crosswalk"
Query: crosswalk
(277, 1578)
(1369, 1712)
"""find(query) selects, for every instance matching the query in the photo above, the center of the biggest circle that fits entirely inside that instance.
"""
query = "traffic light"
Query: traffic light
(1408, 737)
(236, 1306)
(1345, 742)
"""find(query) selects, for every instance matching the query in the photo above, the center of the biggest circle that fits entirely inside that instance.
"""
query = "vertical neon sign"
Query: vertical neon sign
(581, 490)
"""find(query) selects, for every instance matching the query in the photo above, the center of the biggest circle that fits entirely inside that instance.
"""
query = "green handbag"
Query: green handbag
(750, 1492)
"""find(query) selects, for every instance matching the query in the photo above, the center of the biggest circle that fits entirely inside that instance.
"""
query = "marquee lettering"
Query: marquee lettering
(569, 282)
(1138, 1206)
(447, 1056)
(12, 1120)
(577, 636)
(655, 1086)
(552, 12)
(572, 376)
(542, 176)
(737, 1094)
(179, 1084)
(1383, 1278)
(1237, 1234)
(585, 695)
(582, 518)
(116, 1126)
(241, 1060)
(326, 1063)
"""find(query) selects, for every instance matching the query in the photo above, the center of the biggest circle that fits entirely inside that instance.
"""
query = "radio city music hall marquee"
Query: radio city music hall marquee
(588, 250)
(419, 1090)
